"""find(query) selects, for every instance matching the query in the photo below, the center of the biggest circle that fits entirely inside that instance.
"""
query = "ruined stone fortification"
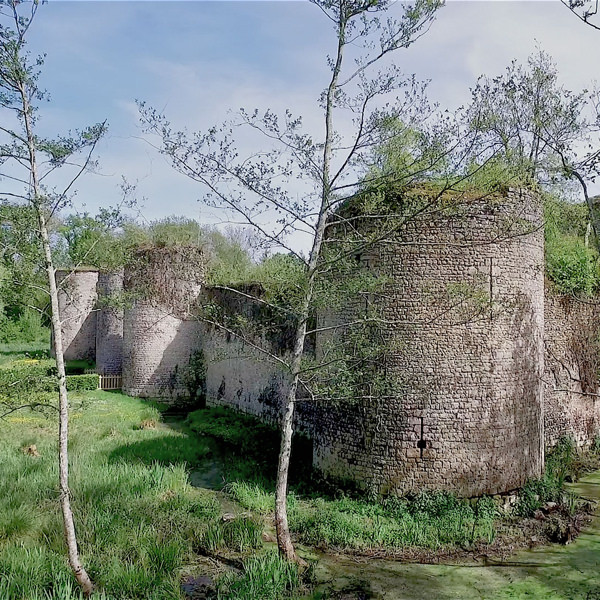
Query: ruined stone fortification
(77, 298)
(109, 323)
(464, 301)
(466, 289)
(160, 334)
(571, 401)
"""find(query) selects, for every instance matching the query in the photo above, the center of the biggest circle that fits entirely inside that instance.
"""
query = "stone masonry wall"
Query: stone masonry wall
(161, 334)
(109, 324)
(157, 348)
(77, 299)
(464, 307)
(238, 373)
(571, 404)
(241, 377)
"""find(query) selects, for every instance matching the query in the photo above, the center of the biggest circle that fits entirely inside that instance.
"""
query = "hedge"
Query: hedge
(80, 383)
(25, 378)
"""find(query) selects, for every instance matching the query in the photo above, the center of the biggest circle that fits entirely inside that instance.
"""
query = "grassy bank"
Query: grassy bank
(329, 517)
(326, 516)
(141, 525)
(143, 528)
(137, 517)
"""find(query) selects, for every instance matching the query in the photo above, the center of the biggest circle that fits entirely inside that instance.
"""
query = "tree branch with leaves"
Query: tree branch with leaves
(27, 163)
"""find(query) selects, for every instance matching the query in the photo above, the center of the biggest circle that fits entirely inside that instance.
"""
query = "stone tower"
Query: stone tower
(160, 332)
(109, 323)
(77, 299)
(464, 311)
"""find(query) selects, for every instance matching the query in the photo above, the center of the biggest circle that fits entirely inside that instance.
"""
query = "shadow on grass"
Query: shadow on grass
(164, 450)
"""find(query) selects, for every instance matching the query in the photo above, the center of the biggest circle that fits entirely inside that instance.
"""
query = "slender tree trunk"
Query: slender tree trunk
(63, 421)
(592, 210)
(284, 539)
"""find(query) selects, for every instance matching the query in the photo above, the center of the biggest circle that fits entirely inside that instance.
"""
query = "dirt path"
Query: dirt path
(569, 572)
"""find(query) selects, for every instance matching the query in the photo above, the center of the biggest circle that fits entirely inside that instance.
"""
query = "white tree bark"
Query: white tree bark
(63, 420)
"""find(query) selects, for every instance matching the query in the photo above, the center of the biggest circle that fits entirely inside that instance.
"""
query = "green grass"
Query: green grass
(265, 577)
(239, 534)
(22, 350)
(324, 515)
(252, 448)
(329, 517)
(137, 517)
(431, 521)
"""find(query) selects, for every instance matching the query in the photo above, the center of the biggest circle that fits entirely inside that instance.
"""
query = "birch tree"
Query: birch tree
(28, 162)
(365, 91)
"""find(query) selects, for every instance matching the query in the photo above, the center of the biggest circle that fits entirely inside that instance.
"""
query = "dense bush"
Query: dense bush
(572, 266)
(27, 378)
(26, 326)
(572, 261)
(28, 381)
(80, 383)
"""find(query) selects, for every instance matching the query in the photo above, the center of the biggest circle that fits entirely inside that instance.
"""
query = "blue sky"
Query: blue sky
(198, 59)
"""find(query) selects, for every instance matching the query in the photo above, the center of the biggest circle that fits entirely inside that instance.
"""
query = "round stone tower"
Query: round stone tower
(77, 299)
(109, 327)
(160, 334)
(462, 311)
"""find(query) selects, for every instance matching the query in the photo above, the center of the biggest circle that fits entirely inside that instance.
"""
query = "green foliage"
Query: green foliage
(195, 379)
(232, 428)
(282, 277)
(29, 381)
(239, 534)
(427, 520)
(571, 264)
(109, 240)
(23, 325)
(524, 117)
(560, 463)
(266, 577)
(78, 367)
(22, 277)
(90, 241)
(175, 231)
(81, 383)
(254, 497)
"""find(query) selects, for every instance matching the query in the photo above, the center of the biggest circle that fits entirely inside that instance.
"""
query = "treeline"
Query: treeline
(108, 241)
(572, 260)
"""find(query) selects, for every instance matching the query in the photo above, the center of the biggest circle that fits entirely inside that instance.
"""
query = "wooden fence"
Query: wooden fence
(110, 382)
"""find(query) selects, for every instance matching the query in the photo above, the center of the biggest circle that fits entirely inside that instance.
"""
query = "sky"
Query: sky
(197, 60)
